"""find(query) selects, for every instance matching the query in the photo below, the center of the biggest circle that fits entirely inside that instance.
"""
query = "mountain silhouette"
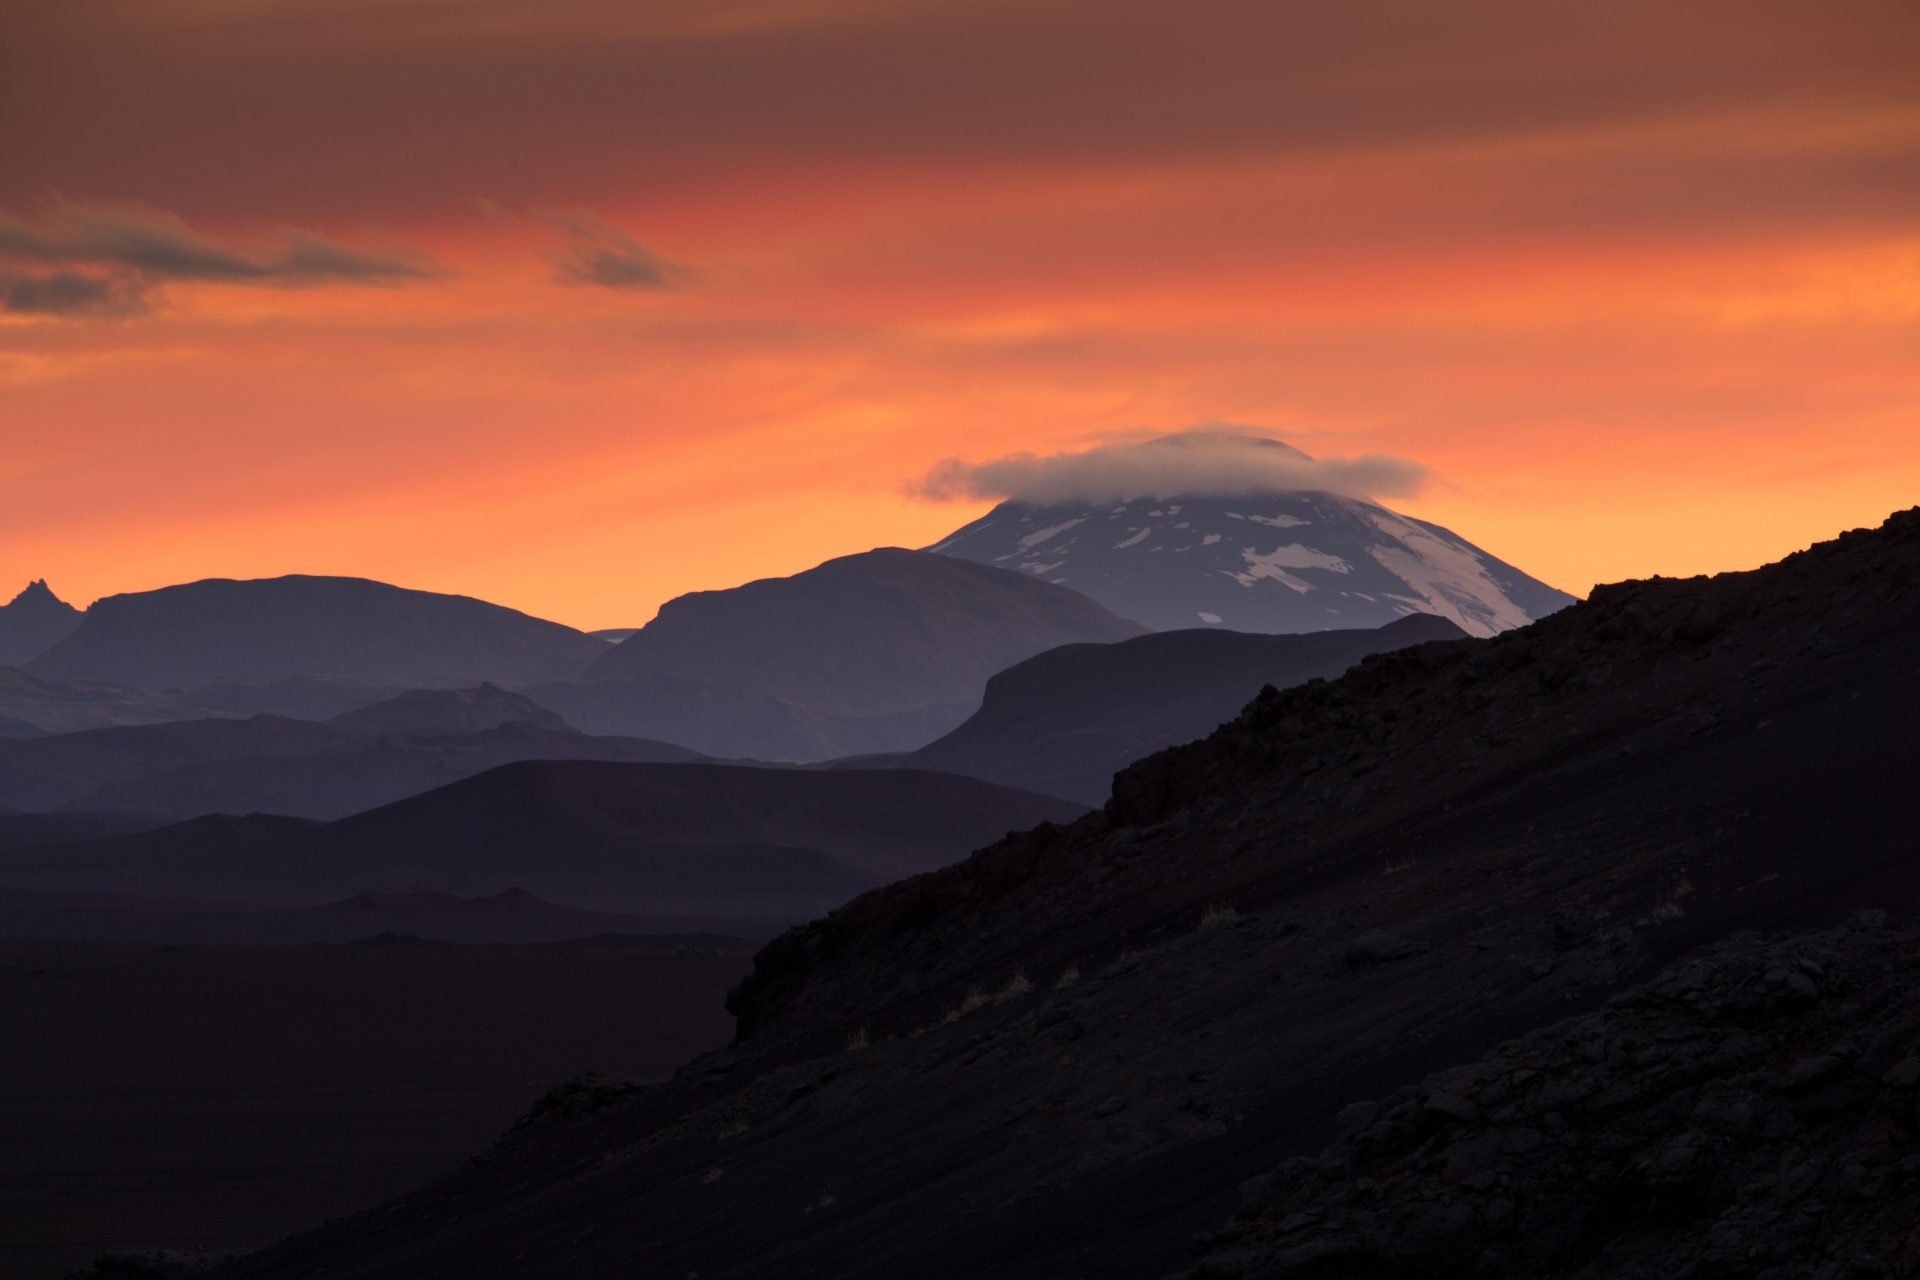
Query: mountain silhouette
(672, 839)
(1064, 722)
(184, 637)
(880, 633)
(33, 622)
(1280, 561)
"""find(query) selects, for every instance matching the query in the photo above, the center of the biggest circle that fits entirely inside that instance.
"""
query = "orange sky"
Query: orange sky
(577, 306)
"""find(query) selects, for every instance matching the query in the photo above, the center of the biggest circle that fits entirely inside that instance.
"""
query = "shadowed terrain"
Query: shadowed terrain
(223, 1096)
(659, 839)
(1063, 1055)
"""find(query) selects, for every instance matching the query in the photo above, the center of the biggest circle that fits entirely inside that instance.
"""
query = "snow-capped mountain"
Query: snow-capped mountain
(1280, 561)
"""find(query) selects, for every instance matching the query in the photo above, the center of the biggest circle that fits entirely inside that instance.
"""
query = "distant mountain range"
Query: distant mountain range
(1275, 562)
(1066, 721)
(870, 652)
(736, 724)
(662, 839)
(274, 764)
(32, 707)
(184, 637)
(880, 633)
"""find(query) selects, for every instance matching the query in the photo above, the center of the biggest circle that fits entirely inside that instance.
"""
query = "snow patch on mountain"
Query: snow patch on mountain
(1283, 562)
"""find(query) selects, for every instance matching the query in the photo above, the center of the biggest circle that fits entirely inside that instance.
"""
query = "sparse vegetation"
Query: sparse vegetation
(1668, 907)
(1395, 868)
(976, 997)
(1016, 987)
(1219, 916)
(1068, 977)
(712, 1176)
(979, 998)
(858, 1040)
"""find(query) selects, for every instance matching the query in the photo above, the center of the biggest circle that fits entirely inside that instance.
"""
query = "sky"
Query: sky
(579, 306)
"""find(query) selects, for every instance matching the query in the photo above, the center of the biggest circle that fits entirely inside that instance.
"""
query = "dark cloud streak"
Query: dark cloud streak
(159, 247)
(604, 256)
(69, 293)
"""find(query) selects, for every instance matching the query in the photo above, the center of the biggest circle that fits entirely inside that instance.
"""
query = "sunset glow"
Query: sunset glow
(580, 313)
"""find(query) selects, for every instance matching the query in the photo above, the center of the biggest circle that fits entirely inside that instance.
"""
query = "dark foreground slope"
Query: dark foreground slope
(1066, 721)
(1081, 1041)
(1754, 1112)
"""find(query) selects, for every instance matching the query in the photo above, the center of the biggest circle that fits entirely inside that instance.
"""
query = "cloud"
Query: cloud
(129, 251)
(69, 293)
(1196, 463)
(602, 255)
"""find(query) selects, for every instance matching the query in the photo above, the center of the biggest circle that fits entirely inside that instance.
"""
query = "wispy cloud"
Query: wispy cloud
(1193, 463)
(94, 260)
(70, 293)
(599, 254)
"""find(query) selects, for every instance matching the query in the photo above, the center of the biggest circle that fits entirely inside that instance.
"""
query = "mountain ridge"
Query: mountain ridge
(193, 634)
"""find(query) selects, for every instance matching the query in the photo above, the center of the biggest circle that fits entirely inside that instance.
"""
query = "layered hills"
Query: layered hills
(1065, 1054)
(1066, 721)
(31, 706)
(659, 839)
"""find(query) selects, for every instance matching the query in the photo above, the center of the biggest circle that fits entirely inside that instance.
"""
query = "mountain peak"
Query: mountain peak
(34, 622)
(1280, 562)
(38, 595)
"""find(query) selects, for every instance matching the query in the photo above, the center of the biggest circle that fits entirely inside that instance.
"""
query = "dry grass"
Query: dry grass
(1068, 977)
(1668, 907)
(858, 1040)
(1219, 916)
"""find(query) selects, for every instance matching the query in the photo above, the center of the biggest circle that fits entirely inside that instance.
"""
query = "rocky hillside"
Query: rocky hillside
(1753, 1112)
